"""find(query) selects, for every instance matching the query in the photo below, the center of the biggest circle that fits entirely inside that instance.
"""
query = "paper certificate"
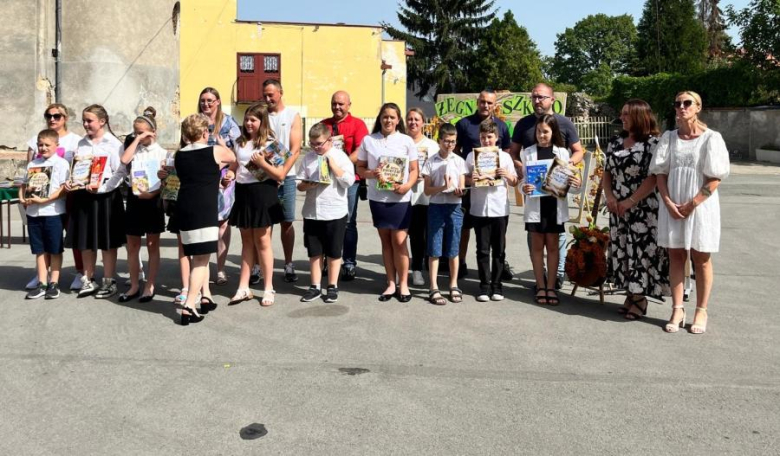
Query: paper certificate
(486, 163)
(38, 180)
(535, 174)
(391, 171)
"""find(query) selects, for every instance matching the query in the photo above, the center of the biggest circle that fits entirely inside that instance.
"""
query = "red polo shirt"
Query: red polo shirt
(353, 130)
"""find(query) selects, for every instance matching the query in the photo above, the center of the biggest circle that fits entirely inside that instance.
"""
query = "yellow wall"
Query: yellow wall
(315, 60)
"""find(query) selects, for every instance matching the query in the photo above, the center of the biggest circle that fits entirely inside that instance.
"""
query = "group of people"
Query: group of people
(247, 176)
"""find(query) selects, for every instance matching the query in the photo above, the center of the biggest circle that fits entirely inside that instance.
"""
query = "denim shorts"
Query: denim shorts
(45, 234)
(286, 194)
(444, 224)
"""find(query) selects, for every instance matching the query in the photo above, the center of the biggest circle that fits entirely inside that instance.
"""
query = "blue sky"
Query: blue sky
(542, 25)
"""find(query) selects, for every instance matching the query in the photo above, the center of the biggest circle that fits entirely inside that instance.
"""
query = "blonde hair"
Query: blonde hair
(193, 127)
(418, 111)
(220, 116)
(62, 110)
(697, 99)
(319, 129)
(49, 134)
(148, 117)
(99, 112)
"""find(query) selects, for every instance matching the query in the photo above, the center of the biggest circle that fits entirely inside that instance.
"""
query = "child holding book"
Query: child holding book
(41, 195)
(257, 207)
(98, 213)
(145, 216)
(326, 173)
(545, 215)
(490, 210)
(444, 174)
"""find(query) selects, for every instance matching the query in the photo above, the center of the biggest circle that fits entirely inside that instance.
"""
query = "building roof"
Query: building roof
(312, 24)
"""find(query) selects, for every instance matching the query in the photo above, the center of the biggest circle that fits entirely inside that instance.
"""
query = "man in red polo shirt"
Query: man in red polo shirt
(353, 130)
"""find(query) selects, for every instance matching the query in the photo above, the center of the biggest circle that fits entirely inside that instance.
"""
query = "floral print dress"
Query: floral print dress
(636, 263)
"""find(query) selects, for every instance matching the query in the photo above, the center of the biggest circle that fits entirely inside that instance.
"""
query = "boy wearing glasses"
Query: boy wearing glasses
(325, 174)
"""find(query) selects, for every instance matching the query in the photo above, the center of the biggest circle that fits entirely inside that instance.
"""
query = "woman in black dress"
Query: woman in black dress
(636, 263)
(198, 166)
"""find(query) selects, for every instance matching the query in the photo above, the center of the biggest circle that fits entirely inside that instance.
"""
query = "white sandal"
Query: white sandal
(700, 329)
(673, 327)
(268, 298)
(241, 295)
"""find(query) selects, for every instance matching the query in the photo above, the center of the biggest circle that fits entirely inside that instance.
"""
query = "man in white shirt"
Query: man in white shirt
(286, 125)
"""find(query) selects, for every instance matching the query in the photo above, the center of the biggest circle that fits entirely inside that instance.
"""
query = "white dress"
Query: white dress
(687, 163)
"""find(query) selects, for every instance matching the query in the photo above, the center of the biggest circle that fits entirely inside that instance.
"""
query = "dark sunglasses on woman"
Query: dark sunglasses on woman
(686, 103)
(48, 116)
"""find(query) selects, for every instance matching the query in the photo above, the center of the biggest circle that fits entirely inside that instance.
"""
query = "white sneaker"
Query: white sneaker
(483, 297)
(78, 282)
(32, 284)
(497, 297)
(417, 278)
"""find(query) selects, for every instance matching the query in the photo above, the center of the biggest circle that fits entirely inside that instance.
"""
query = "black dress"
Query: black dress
(548, 205)
(196, 206)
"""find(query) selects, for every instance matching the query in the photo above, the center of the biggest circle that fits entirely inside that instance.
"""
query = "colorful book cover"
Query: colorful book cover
(144, 176)
(96, 171)
(80, 171)
(324, 170)
(170, 191)
(486, 163)
(275, 154)
(391, 171)
(38, 181)
(535, 174)
(422, 156)
(556, 183)
(140, 182)
(338, 142)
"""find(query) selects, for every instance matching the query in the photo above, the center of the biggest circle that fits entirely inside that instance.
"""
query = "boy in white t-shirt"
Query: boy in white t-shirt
(445, 180)
(490, 215)
(41, 195)
(325, 209)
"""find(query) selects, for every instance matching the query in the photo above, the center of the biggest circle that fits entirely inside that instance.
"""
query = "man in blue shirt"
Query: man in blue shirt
(467, 140)
(524, 135)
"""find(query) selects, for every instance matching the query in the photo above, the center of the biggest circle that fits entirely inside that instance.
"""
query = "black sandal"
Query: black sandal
(633, 316)
(538, 298)
(552, 300)
(433, 299)
(456, 294)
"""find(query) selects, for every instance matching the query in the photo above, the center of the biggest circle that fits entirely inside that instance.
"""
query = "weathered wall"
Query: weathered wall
(27, 70)
(745, 129)
(315, 60)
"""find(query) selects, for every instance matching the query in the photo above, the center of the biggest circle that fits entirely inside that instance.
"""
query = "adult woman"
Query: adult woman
(198, 167)
(56, 116)
(415, 119)
(223, 130)
(388, 146)
(636, 263)
(257, 208)
(690, 162)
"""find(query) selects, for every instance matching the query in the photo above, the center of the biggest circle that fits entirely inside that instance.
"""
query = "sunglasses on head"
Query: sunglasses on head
(686, 103)
(48, 116)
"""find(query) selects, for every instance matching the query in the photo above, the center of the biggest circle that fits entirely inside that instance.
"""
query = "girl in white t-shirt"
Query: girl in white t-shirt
(389, 193)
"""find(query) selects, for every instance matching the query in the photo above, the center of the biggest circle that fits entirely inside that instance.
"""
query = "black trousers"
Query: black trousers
(418, 236)
(491, 244)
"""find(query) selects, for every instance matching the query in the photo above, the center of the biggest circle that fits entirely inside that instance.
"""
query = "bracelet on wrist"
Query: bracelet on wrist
(632, 199)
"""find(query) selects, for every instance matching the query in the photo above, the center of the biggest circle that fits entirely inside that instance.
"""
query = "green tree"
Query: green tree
(594, 51)
(759, 32)
(711, 17)
(506, 58)
(670, 38)
(443, 35)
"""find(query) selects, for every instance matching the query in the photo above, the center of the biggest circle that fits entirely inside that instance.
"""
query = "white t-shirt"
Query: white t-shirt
(418, 193)
(151, 153)
(326, 201)
(437, 167)
(244, 156)
(69, 143)
(110, 147)
(491, 201)
(60, 172)
(374, 147)
(281, 124)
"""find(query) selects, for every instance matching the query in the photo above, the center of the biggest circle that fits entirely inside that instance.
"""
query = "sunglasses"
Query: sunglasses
(686, 103)
(48, 116)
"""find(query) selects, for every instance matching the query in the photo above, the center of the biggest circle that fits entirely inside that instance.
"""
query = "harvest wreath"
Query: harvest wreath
(586, 261)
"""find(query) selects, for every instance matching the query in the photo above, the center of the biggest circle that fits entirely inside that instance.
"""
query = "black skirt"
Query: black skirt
(144, 216)
(257, 205)
(548, 217)
(96, 221)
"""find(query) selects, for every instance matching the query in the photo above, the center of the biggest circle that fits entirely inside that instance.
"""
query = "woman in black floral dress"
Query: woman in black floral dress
(636, 263)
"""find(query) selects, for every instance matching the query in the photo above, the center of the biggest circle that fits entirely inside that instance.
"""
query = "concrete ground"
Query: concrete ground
(91, 377)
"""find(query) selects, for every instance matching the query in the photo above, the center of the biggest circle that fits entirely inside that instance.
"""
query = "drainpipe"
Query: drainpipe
(384, 67)
(58, 53)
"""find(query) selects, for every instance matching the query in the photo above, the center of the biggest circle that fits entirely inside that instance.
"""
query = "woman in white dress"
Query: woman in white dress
(690, 162)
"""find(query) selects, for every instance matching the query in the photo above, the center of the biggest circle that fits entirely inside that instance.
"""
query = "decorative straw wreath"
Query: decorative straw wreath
(586, 261)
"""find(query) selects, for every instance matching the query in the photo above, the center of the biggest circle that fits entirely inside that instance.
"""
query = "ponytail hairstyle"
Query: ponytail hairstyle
(220, 116)
(697, 99)
(264, 133)
(148, 117)
(101, 114)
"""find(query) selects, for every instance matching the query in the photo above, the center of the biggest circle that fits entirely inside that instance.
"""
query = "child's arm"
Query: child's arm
(129, 153)
(22, 189)
(346, 179)
(428, 187)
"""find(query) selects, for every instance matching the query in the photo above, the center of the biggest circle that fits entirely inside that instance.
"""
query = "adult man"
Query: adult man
(286, 125)
(467, 140)
(353, 130)
(524, 135)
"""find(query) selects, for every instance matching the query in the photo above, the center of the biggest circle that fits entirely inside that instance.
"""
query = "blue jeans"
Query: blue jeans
(444, 226)
(561, 253)
(286, 195)
(351, 235)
